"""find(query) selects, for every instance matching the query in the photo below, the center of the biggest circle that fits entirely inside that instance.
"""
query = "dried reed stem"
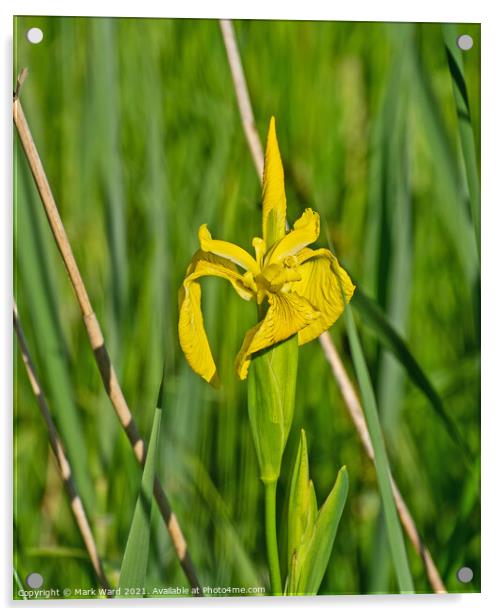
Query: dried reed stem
(345, 385)
(106, 369)
(63, 463)
(242, 93)
(357, 414)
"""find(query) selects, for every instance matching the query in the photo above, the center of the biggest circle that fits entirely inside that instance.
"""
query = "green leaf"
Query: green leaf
(466, 137)
(271, 394)
(18, 584)
(395, 536)
(311, 532)
(36, 286)
(452, 207)
(135, 560)
(375, 318)
(389, 257)
(313, 556)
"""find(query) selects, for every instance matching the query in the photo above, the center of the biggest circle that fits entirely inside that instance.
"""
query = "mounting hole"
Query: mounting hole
(34, 35)
(34, 580)
(465, 575)
(465, 42)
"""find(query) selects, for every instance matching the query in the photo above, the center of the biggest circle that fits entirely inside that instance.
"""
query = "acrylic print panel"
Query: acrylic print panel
(235, 384)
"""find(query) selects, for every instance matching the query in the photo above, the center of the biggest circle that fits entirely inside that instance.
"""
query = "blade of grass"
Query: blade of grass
(102, 115)
(354, 407)
(135, 560)
(235, 550)
(395, 271)
(391, 205)
(374, 317)
(467, 139)
(103, 95)
(452, 208)
(19, 584)
(63, 463)
(454, 556)
(96, 340)
(35, 288)
(395, 535)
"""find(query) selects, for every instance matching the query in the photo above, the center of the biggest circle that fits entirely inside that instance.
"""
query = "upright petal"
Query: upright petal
(288, 314)
(305, 231)
(192, 335)
(274, 203)
(323, 283)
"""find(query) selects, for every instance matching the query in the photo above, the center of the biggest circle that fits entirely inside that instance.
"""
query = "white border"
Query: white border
(383, 10)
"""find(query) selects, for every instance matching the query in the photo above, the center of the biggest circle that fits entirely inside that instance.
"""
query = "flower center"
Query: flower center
(277, 277)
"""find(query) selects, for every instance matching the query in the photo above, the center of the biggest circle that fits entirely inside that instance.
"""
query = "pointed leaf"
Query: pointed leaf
(375, 318)
(135, 560)
(314, 556)
(466, 136)
(381, 462)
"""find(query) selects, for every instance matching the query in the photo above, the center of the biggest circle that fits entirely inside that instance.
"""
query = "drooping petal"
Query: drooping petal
(274, 202)
(288, 314)
(323, 283)
(227, 250)
(192, 335)
(305, 231)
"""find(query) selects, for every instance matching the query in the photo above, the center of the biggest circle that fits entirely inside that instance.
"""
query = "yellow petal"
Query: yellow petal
(192, 335)
(305, 231)
(259, 249)
(227, 250)
(275, 276)
(323, 283)
(274, 203)
(288, 313)
(208, 264)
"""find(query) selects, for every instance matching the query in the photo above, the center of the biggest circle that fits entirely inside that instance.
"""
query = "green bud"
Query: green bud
(302, 500)
(271, 394)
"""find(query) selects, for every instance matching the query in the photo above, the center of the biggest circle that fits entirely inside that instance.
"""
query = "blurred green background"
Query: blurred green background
(137, 126)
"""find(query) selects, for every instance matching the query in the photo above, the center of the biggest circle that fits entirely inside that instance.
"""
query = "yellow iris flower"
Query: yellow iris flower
(300, 288)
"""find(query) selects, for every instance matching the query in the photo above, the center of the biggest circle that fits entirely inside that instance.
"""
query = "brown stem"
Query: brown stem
(243, 98)
(106, 368)
(63, 463)
(357, 414)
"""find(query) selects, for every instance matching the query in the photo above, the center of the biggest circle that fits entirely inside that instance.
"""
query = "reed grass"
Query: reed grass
(96, 340)
(181, 158)
(134, 567)
(63, 464)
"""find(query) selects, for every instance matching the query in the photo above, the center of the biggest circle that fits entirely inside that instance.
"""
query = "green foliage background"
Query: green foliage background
(137, 126)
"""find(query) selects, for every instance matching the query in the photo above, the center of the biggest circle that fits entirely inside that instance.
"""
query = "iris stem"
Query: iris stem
(270, 497)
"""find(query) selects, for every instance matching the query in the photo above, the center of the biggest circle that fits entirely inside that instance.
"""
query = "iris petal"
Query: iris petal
(192, 335)
(288, 314)
(305, 231)
(227, 250)
(323, 283)
(274, 202)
